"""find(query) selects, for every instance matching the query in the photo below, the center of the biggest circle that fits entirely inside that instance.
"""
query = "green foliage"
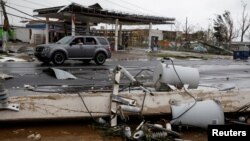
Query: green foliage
(224, 28)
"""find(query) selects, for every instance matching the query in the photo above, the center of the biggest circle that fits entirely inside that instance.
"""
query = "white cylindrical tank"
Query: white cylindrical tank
(165, 74)
(202, 114)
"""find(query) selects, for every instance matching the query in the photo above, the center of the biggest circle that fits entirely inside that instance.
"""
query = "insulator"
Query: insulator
(157, 135)
(127, 132)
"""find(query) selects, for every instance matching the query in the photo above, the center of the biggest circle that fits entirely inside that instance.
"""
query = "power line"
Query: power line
(35, 3)
(21, 11)
(122, 6)
(17, 16)
(21, 6)
(139, 7)
(70, 1)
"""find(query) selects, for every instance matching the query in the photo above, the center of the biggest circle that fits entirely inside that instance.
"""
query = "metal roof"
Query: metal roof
(95, 14)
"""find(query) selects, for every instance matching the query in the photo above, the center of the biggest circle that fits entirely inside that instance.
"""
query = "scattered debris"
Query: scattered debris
(18, 131)
(32, 136)
(128, 108)
(123, 100)
(26, 57)
(38, 137)
(11, 59)
(61, 74)
(147, 131)
(225, 87)
(138, 135)
(35, 137)
(194, 59)
(127, 132)
(221, 87)
(67, 88)
(5, 76)
(26, 50)
(101, 121)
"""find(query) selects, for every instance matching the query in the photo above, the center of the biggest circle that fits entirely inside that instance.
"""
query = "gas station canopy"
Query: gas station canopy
(96, 14)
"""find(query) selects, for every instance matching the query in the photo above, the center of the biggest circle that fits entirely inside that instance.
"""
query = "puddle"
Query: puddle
(70, 132)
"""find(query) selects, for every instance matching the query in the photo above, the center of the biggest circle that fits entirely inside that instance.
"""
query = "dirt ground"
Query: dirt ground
(74, 132)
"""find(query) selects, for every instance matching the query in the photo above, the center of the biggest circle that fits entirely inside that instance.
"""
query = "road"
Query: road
(214, 71)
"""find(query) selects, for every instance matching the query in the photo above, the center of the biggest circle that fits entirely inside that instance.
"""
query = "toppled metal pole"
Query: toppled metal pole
(114, 97)
(113, 105)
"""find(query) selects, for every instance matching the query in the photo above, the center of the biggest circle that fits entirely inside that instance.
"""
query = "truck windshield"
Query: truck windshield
(64, 40)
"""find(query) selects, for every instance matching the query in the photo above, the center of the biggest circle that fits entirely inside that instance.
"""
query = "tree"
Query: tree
(245, 22)
(224, 28)
(200, 35)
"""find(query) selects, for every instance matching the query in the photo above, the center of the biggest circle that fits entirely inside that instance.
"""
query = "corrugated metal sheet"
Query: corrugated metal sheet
(61, 74)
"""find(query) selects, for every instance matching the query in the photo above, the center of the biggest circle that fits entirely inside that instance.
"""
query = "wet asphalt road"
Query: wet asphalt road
(32, 73)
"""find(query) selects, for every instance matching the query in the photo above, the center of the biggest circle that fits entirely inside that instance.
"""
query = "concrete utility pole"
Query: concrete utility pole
(6, 27)
(73, 26)
(186, 30)
(47, 31)
(149, 37)
(116, 34)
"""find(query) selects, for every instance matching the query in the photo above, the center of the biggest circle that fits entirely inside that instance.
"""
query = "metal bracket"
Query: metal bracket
(13, 107)
(123, 100)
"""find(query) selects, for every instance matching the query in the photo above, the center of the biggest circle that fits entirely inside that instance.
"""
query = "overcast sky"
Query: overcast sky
(199, 12)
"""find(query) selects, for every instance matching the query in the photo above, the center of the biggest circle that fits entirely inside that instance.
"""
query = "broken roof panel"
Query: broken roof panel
(95, 14)
(96, 6)
(61, 74)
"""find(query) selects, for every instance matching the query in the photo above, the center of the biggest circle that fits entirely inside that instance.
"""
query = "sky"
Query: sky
(200, 13)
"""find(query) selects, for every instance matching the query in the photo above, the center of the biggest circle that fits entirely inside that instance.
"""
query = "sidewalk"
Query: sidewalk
(141, 53)
(131, 54)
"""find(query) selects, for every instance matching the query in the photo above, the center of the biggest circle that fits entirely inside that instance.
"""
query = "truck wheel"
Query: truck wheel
(58, 58)
(100, 58)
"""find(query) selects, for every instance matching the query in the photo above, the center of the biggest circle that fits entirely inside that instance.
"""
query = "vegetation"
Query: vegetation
(224, 28)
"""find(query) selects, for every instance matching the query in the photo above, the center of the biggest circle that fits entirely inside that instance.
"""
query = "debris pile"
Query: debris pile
(144, 131)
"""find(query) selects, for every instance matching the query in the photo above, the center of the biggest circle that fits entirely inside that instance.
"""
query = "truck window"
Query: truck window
(90, 41)
(103, 41)
(78, 40)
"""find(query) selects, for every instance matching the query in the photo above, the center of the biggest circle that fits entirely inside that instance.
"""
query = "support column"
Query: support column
(88, 29)
(120, 35)
(73, 26)
(149, 36)
(5, 41)
(47, 31)
(116, 34)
